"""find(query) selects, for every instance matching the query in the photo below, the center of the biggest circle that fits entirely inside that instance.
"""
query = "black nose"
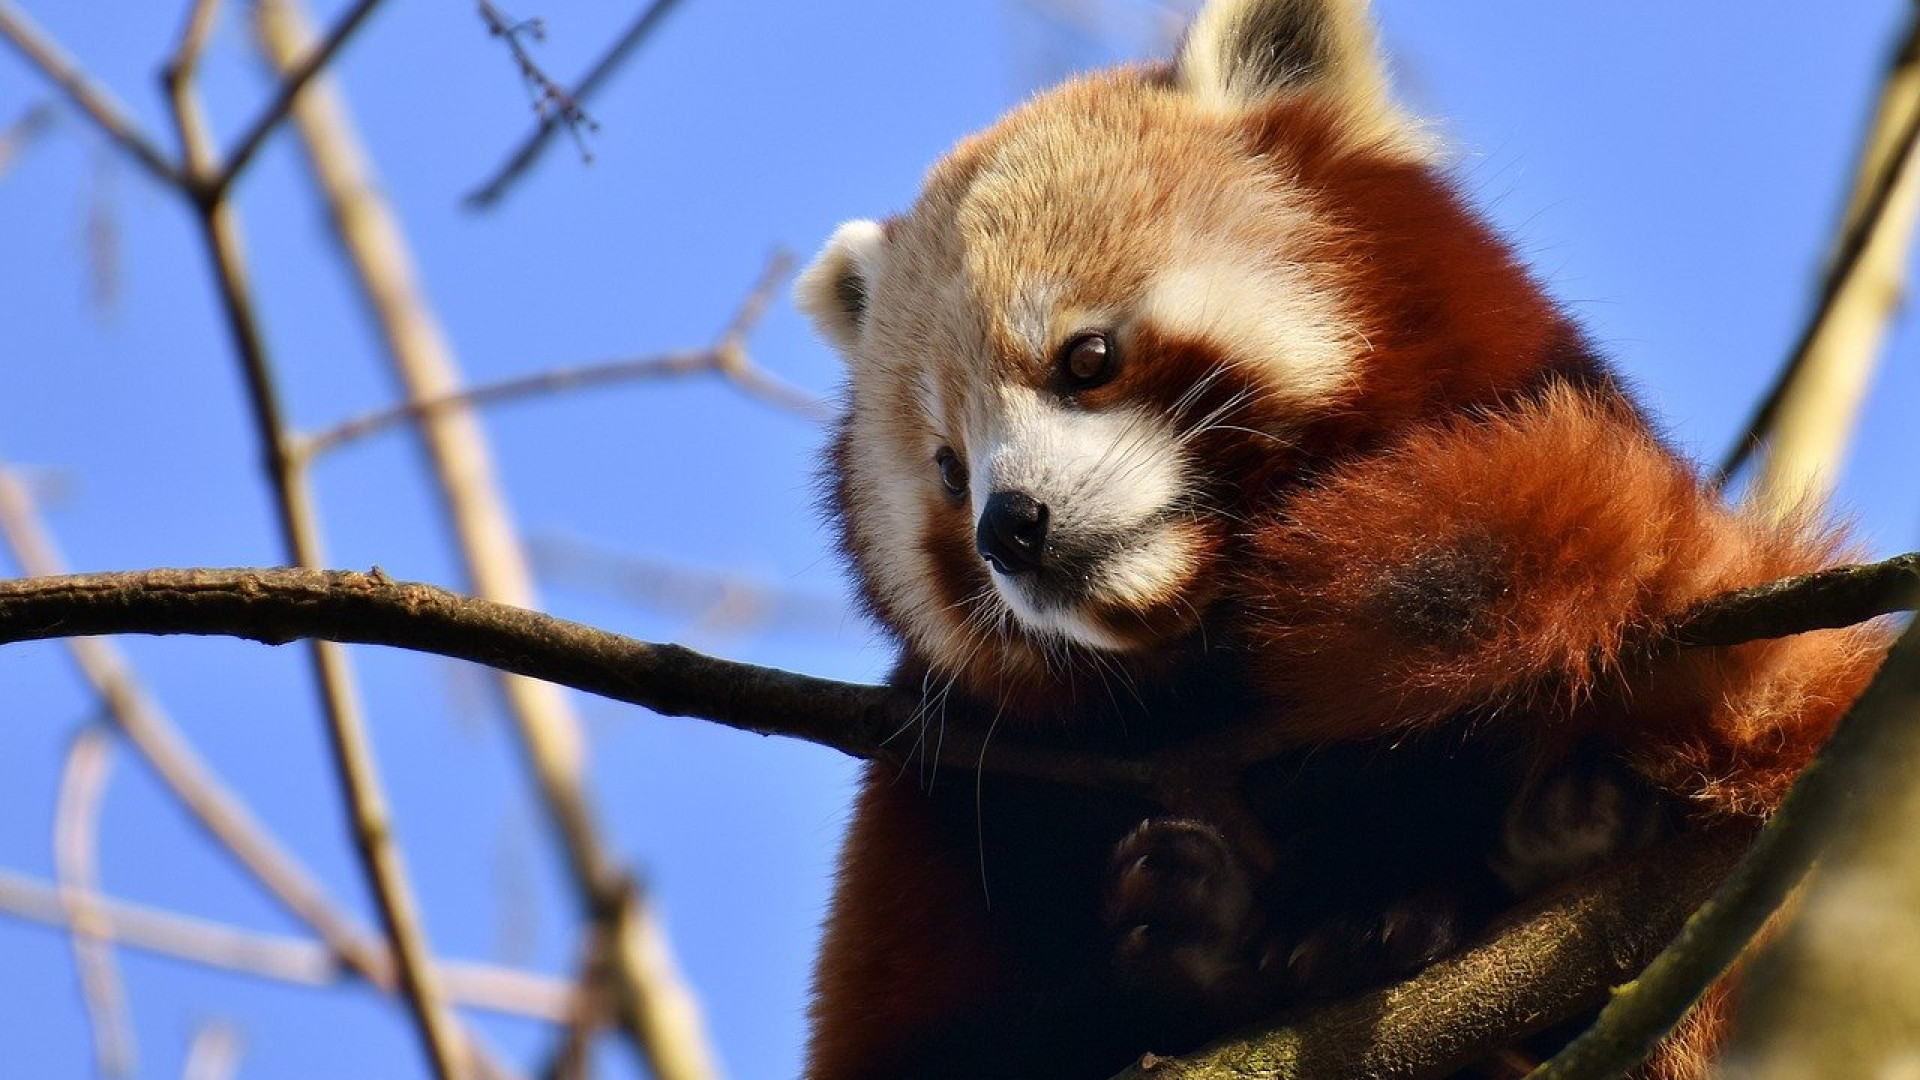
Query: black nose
(1013, 532)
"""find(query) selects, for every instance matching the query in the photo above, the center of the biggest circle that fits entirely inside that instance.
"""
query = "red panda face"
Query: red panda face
(1100, 336)
(1090, 311)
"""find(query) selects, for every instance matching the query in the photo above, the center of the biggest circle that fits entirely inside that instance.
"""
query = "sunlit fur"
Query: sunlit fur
(1356, 477)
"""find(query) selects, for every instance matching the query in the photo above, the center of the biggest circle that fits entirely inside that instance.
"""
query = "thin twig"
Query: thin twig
(1878, 221)
(94, 101)
(551, 102)
(674, 1044)
(727, 358)
(497, 989)
(529, 151)
(353, 756)
(76, 860)
(1821, 804)
(298, 75)
(214, 1053)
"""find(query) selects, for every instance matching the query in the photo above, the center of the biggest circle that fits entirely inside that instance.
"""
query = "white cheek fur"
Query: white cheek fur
(1112, 474)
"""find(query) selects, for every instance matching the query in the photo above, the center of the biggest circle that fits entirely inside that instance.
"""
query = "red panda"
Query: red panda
(1195, 395)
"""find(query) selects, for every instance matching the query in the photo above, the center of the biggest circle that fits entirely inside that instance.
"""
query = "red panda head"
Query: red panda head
(1121, 318)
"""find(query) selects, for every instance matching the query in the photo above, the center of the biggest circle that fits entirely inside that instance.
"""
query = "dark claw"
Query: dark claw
(1179, 909)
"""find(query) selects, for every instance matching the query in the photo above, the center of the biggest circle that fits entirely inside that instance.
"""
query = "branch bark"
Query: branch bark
(275, 606)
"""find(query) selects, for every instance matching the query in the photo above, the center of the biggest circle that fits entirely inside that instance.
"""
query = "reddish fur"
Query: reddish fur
(1472, 537)
(1498, 567)
(898, 953)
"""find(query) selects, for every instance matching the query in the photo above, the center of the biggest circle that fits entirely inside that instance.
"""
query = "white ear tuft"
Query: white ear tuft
(1240, 54)
(834, 289)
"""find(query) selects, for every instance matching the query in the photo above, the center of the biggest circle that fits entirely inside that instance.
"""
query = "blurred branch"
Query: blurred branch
(299, 530)
(1877, 738)
(1806, 417)
(281, 959)
(25, 129)
(98, 104)
(717, 601)
(642, 27)
(551, 103)
(656, 1010)
(76, 845)
(214, 1053)
(727, 357)
(297, 75)
(212, 804)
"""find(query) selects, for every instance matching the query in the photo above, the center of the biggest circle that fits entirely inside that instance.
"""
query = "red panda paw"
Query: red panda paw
(1583, 812)
(1357, 949)
(1179, 909)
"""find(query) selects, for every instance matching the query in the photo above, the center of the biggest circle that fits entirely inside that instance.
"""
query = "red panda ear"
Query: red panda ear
(834, 289)
(1243, 54)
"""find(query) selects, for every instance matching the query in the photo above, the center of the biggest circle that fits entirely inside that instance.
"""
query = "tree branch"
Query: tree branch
(727, 357)
(672, 1040)
(96, 103)
(1826, 372)
(76, 859)
(632, 38)
(276, 606)
(298, 76)
(354, 762)
(282, 959)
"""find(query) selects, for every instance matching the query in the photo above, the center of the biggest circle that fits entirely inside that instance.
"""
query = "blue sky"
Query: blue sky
(1673, 173)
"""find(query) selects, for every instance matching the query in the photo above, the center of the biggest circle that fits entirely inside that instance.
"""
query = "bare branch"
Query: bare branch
(214, 1053)
(298, 75)
(1826, 372)
(146, 725)
(727, 358)
(276, 606)
(299, 530)
(194, 36)
(632, 38)
(551, 102)
(281, 959)
(674, 1043)
(94, 101)
(76, 845)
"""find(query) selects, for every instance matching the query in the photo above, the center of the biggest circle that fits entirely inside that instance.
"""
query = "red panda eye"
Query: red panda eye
(1087, 360)
(953, 475)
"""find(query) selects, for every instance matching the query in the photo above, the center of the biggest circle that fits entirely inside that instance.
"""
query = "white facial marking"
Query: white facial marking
(1273, 316)
(1108, 480)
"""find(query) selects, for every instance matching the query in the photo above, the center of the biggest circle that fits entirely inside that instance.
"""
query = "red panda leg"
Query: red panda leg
(903, 947)
(1491, 573)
